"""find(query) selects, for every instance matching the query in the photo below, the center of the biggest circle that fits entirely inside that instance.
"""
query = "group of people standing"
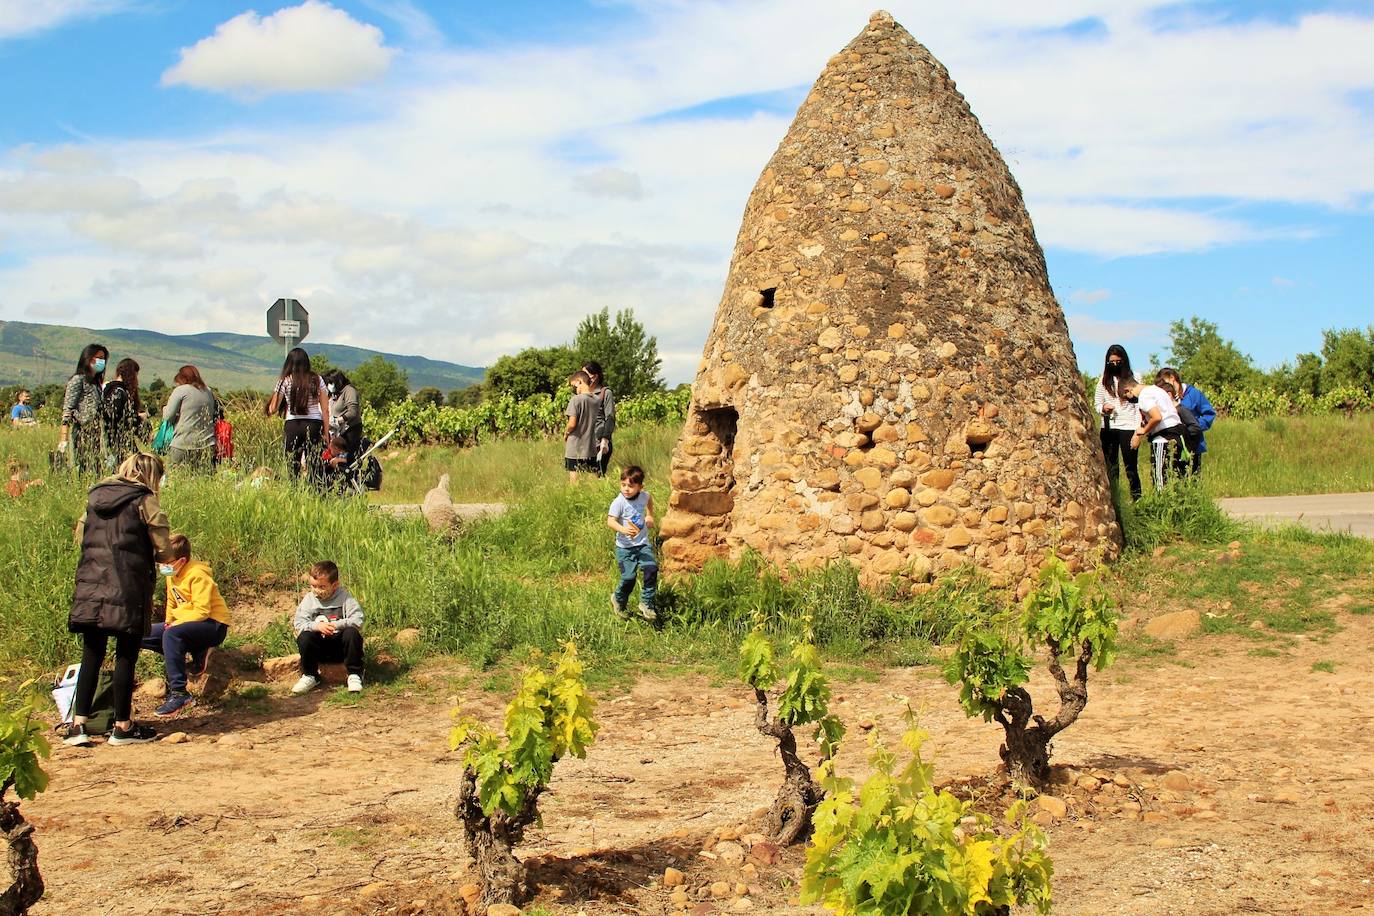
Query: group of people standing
(318, 411)
(1168, 413)
(104, 422)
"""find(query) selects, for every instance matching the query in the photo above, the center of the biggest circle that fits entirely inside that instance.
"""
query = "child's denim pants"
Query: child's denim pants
(633, 560)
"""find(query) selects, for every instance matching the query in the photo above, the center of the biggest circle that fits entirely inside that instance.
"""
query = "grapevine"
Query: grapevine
(1067, 614)
(900, 846)
(21, 745)
(803, 701)
(504, 773)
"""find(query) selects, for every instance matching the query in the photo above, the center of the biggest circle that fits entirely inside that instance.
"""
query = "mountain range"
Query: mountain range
(32, 354)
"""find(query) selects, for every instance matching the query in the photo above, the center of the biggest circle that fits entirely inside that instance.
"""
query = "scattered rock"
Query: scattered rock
(152, 689)
(1174, 625)
(503, 909)
(176, 738)
(1052, 805)
(281, 667)
(766, 853)
(1176, 782)
(730, 853)
(742, 905)
(437, 507)
(407, 637)
(720, 890)
(673, 878)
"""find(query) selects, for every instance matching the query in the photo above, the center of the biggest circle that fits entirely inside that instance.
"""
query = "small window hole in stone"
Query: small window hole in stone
(977, 445)
(721, 425)
(768, 296)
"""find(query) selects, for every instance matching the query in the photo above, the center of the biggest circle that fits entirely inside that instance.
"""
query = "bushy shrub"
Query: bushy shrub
(898, 845)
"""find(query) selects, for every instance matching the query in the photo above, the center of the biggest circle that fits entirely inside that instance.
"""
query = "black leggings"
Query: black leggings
(302, 438)
(93, 645)
(1118, 442)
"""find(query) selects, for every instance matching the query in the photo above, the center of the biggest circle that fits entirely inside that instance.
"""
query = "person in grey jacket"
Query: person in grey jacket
(603, 429)
(345, 409)
(329, 628)
(192, 409)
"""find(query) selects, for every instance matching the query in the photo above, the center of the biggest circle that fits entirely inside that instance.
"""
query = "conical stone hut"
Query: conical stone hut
(889, 377)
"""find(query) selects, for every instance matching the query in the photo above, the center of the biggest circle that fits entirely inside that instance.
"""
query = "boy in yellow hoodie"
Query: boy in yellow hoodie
(197, 621)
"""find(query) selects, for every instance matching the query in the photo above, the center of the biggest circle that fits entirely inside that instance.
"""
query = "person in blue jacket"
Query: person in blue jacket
(1197, 402)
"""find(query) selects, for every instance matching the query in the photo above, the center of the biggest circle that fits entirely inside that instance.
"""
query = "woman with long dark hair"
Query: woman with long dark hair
(301, 395)
(122, 535)
(603, 427)
(191, 408)
(125, 418)
(1115, 403)
(81, 411)
(345, 409)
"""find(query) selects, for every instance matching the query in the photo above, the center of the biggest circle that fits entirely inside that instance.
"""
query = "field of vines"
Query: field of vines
(506, 417)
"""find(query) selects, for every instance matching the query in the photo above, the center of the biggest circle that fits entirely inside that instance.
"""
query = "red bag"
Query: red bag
(224, 440)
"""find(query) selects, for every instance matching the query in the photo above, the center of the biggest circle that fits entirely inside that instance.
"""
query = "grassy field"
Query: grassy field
(544, 571)
(1290, 455)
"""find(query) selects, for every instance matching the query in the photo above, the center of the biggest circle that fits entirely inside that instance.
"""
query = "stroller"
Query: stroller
(361, 474)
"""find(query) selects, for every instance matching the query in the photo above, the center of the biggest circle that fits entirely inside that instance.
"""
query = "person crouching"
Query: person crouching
(329, 628)
(197, 621)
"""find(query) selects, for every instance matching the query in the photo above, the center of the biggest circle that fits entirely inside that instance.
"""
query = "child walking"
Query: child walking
(630, 516)
(329, 628)
(197, 621)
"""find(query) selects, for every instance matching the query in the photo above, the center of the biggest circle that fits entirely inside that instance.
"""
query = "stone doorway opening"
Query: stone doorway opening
(722, 423)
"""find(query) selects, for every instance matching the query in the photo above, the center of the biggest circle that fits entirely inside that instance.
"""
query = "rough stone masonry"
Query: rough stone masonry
(889, 378)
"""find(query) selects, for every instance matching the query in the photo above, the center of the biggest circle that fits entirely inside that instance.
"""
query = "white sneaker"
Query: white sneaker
(305, 684)
(355, 683)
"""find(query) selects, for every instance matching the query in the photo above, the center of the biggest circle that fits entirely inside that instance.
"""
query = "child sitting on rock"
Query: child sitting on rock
(197, 621)
(329, 628)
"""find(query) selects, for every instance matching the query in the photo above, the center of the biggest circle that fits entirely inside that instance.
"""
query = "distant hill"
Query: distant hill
(32, 354)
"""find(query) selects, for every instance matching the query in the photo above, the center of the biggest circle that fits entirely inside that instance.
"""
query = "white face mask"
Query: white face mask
(329, 388)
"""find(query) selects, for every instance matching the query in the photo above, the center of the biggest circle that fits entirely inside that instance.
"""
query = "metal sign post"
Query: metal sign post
(288, 322)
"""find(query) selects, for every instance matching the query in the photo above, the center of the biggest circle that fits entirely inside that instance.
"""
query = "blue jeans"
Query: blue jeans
(632, 561)
(192, 638)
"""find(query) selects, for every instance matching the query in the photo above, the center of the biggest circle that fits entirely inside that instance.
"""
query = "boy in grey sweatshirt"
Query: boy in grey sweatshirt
(329, 628)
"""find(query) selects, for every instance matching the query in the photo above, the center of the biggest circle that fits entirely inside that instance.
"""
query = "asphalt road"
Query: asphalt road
(1349, 512)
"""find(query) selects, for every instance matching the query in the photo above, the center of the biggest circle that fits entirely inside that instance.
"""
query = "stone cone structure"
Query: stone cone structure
(889, 377)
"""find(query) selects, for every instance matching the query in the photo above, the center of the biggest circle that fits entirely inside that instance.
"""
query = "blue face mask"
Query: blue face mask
(166, 568)
(99, 364)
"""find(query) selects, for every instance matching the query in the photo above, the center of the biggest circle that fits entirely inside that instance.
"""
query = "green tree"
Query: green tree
(1349, 358)
(534, 370)
(1204, 359)
(623, 348)
(470, 396)
(1302, 377)
(380, 382)
(321, 364)
(428, 395)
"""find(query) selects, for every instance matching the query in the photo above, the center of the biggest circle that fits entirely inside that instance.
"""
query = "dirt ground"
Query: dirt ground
(1251, 776)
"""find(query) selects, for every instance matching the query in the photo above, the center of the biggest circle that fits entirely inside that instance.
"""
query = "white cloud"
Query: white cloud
(610, 182)
(1112, 230)
(466, 221)
(1090, 296)
(24, 17)
(1282, 281)
(313, 46)
(1104, 332)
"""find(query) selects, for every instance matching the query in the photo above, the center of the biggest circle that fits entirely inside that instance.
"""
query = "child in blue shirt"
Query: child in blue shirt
(631, 516)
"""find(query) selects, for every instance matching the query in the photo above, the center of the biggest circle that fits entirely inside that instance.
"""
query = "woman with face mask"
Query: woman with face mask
(81, 409)
(1120, 417)
(345, 409)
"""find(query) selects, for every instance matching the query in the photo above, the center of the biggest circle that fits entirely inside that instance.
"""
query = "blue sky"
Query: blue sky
(464, 179)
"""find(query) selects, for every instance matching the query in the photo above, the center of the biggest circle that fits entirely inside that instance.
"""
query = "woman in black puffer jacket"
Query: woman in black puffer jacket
(123, 534)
